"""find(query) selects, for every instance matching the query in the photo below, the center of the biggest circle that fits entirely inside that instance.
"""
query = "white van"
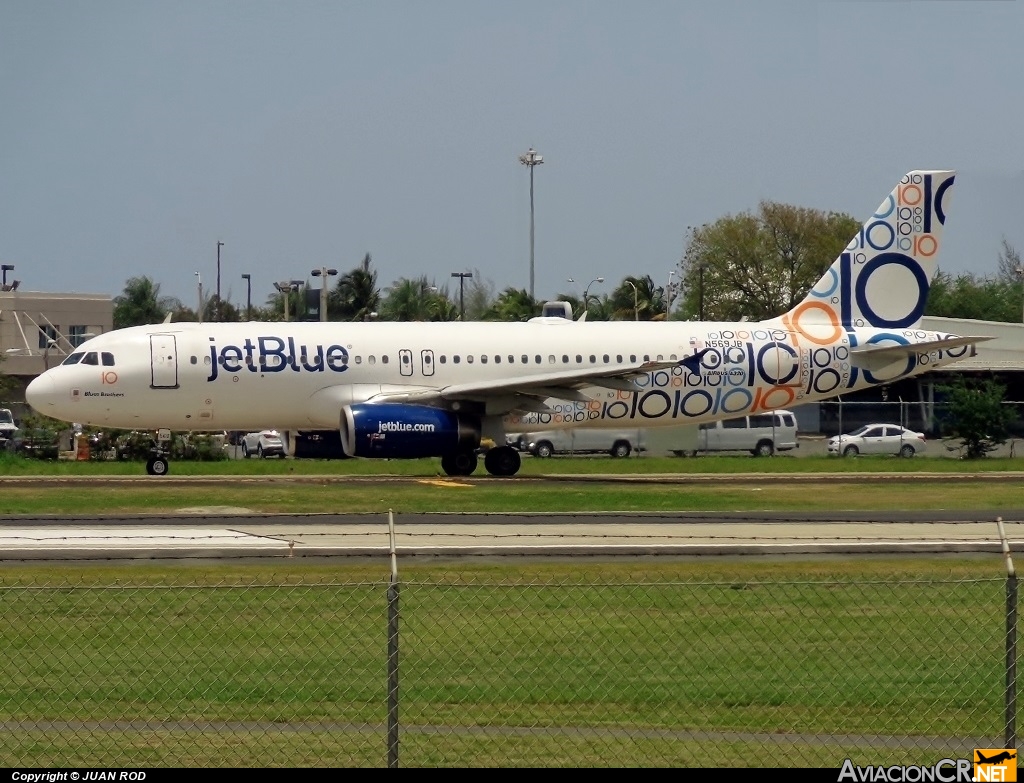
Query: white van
(617, 443)
(762, 434)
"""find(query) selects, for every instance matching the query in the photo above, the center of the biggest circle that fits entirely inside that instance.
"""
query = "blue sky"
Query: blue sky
(136, 134)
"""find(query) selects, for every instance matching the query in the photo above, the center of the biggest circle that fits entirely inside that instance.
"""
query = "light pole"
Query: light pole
(286, 287)
(586, 293)
(324, 273)
(199, 294)
(248, 296)
(6, 268)
(668, 294)
(531, 160)
(636, 308)
(1020, 273)
(216, 311)
(50, 343)
(462, 302)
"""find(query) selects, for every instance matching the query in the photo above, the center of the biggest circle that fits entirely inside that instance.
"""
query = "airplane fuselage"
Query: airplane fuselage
(258, 375)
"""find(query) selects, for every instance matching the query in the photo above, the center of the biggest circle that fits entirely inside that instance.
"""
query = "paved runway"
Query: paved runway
(216, 533)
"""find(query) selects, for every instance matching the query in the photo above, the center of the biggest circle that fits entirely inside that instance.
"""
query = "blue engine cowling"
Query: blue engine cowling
(397, 431)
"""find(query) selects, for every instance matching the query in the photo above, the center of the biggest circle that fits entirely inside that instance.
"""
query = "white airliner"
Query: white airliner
(441, 389)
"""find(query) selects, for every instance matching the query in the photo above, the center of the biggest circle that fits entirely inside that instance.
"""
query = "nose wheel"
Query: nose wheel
(157, 466)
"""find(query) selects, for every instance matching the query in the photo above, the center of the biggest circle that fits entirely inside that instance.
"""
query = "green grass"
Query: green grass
(545, 485)
(628, 663)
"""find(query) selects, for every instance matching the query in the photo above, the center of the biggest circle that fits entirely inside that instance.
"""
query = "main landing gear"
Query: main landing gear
(499, 461)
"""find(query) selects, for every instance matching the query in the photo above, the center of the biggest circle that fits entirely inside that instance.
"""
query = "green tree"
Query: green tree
(637, 298)
(977, 415)
(479, 296)
(759, 265)
(968, 296)
(140, 303)
(356, 296)
(513, 304)
(417, 300)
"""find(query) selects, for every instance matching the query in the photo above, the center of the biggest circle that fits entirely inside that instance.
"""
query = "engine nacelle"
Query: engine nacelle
(397, 431)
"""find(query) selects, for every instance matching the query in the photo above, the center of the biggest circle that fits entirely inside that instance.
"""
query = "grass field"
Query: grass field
(739, 663)
(559, 485)
(645, 662)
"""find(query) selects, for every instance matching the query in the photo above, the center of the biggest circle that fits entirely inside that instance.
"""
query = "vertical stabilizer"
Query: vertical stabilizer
(882, 278)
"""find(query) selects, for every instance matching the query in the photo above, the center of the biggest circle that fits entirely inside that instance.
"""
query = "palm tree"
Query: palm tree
(644, 303)
(418, 300)
(141, 303)
(512, 304)
(356, 296)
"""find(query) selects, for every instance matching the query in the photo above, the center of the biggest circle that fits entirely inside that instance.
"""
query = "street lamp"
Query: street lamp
(586, 293)
(286, 287)
(323, 272)
(248, 296)
(50, 343)
(636, 307)
(531, 160)
(1020, 273)
(216, 312)
(462, 303)
(199, 293)
(669, 294)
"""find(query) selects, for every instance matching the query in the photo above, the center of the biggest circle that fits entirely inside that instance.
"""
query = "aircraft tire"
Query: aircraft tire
(157, 466)
(462, 463)
(502, 461)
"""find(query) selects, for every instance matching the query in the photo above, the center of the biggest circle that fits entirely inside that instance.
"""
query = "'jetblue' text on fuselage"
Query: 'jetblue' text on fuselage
(276, 354)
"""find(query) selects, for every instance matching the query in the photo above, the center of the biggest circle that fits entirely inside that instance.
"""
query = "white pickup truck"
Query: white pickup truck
(8, 429)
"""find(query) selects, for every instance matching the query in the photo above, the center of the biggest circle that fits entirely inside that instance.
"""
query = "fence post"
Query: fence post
(1010, 721)
(392, 650)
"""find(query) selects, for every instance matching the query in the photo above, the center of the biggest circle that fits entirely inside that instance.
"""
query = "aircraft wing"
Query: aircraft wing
(874, 356)
(560, 384)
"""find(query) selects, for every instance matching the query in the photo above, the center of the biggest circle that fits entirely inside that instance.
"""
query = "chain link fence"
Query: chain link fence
(579, 662)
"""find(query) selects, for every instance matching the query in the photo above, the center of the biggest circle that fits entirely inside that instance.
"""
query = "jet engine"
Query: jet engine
(393, 430)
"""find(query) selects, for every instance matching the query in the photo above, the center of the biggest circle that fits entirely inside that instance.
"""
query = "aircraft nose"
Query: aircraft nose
(41, 393)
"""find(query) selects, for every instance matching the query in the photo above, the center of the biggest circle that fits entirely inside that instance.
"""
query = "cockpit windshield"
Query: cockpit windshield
(92, 358)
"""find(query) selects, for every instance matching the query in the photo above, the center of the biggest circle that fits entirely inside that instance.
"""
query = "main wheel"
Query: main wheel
(621, 449)
(907, 450)
(543, 449)
(156, 466)
(462, 463)
(764, 449)
(502, 461)
(851, 451)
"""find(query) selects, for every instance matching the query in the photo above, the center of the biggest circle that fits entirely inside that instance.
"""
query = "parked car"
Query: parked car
(8, 429)
(583, 440)
(878, 439)
(266, 443)
(762, 434)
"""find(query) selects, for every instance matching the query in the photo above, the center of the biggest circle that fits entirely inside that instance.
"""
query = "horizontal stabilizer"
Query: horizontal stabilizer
(874, 356)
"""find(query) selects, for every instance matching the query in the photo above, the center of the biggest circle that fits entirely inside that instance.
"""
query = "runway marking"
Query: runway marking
(442, 483)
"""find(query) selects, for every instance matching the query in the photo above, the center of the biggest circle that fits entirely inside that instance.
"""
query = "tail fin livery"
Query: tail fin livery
(882, 278)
